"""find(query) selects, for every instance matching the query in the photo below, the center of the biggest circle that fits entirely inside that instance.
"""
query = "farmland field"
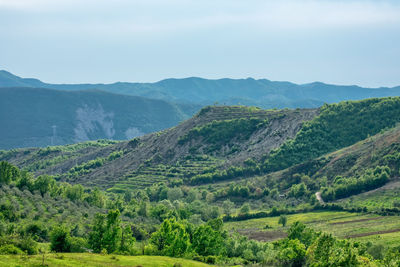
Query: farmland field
(362, 227)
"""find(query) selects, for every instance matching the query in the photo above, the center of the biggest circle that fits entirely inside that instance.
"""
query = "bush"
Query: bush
(28, 245)
(10, 249)
(211, 259)
(77, 244)
(60, 239)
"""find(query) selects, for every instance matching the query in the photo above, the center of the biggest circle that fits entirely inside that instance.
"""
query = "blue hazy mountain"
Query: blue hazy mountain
(32, 117)
(263, 93)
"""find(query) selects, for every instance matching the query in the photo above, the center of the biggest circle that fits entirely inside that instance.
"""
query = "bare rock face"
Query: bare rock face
(91, 120)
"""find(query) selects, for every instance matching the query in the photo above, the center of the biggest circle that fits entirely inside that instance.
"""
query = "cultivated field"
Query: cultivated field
(363, 227)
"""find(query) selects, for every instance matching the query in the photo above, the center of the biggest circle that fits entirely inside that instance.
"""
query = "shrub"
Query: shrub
(10, 249)
(60, 239)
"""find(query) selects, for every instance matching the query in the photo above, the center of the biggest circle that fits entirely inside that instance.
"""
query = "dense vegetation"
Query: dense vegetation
(221, 132)
(337, 126)
(168, 208)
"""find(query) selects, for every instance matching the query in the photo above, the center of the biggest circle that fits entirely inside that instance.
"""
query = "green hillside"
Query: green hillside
(207, 190)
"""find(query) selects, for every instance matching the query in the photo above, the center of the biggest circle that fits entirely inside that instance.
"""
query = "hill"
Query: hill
(219, 143)
(202, 187)
(263, 93)
(214, 138)
(32, 117)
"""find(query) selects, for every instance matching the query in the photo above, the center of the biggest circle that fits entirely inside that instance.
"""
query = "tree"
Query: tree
(8, 172)
(228, 206)
(96, 236)
(328, 251)
(60, 239)
(74, 192)
(44, 184)
(209, 239)
(96, 198)
(171, 239)
(282, 220)
(304, 234)
(26, 181)
(245, 209)
(107, 233)
(174, 194)
(291, 252)
(127, 239)
(112, 235)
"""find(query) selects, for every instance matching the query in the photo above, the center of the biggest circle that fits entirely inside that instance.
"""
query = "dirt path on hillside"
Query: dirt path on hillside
(319, 198)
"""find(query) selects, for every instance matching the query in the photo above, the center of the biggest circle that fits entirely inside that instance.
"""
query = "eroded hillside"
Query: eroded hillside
(216, 138)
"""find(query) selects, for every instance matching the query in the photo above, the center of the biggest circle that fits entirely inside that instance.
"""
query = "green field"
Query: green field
(86, 259)
(386, 197)
(362, 227)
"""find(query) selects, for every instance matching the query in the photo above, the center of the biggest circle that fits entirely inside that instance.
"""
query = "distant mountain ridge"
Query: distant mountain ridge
(32, 117)
(263, 93)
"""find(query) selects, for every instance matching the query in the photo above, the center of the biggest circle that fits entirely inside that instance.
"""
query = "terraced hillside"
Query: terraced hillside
(235, 142)
(239, 133)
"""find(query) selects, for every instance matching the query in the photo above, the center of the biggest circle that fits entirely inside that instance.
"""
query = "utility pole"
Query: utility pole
(53, 138)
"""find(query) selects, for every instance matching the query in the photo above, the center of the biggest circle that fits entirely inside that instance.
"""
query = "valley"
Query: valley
(231, 185)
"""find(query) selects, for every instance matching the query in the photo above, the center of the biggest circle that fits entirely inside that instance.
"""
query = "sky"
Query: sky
(103, 41)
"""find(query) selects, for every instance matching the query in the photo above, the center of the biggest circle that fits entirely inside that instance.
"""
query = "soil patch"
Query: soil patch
(263, 235)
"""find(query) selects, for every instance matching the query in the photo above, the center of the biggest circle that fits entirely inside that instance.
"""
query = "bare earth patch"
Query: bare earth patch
(262, 235)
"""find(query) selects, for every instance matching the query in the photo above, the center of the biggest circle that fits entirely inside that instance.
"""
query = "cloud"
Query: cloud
(156, 16)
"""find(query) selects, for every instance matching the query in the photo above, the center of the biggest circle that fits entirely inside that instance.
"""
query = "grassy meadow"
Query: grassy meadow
(87, 259)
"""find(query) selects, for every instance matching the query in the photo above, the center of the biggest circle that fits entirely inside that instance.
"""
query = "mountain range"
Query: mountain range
(37, 114)
(262, 93)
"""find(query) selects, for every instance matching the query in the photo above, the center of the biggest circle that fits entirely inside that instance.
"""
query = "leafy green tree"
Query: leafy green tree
(291, 252)
(328, 251)
(26, 181)
(245, 209)
(209, 239)
(60, 239)
(175, 194)
(8, 172)
(74, 192)
(112, 235)
(228, 207)
(282, 220)
(127, 239)
(44, 184)
(96, 236)
(304, 234)
(96, 198)
(171, 238)
(107, 233)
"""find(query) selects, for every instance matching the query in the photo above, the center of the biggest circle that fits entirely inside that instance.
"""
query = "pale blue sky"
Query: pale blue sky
(75, 41)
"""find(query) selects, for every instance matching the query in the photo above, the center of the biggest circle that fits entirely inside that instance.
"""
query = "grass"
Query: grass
(87, 259)
(386, 198)
(340, 224)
